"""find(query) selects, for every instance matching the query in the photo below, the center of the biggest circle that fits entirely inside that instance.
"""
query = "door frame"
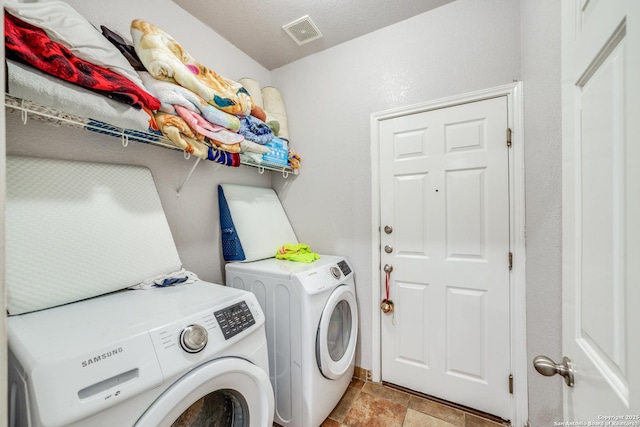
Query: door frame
(513, 92)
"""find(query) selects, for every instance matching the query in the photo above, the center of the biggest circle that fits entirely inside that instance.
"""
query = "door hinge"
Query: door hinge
(510, 260)
(511, 383)
(508, 137)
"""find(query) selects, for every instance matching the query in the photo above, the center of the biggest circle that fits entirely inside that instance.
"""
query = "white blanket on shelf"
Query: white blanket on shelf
(30, 84)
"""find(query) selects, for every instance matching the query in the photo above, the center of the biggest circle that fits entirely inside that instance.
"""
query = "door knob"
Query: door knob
(388, 229)
(549, 368)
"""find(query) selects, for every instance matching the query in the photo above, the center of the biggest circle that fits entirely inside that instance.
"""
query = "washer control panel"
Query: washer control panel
(234, 319)
(204, 334)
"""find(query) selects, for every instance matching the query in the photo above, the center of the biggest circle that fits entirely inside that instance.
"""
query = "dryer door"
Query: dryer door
(337, 333)
(228, 392)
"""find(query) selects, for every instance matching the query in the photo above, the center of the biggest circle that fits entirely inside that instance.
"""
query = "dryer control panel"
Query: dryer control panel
(327, 276)
(234, 319)
(344, 267)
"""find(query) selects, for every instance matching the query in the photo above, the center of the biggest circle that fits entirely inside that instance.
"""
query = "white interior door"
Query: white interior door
(444, 191)
(601, 209)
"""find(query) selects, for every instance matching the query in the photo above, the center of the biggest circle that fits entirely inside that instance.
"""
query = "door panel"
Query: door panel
(445, 190)
(411, 232)
(600, 48)
(601, 243)
(466, 207)
(412, 343)
(465, 333)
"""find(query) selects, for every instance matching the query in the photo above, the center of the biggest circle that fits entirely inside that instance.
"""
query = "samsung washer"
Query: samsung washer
(189, 355)
(311, 324)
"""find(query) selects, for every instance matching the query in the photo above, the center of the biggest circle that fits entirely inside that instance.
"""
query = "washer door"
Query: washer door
(226, 392)
(337, 333)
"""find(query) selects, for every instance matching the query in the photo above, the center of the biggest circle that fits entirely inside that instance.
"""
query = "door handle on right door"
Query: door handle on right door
(547, 367)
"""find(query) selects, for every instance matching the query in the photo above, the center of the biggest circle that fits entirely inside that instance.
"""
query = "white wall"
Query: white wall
(464, 46)
(193, 216)
(543, 134)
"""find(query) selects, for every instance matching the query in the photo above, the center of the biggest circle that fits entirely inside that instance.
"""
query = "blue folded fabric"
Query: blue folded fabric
(171, 281)
(255, 130)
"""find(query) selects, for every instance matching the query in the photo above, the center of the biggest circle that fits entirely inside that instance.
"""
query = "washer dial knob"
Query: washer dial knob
(193, 338)
(335, 272)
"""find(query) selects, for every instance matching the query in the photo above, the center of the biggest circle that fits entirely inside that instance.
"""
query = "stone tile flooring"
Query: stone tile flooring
(367, 404)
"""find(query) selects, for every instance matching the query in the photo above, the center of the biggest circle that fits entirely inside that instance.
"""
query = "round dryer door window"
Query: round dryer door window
(228, 392)
(337, 333)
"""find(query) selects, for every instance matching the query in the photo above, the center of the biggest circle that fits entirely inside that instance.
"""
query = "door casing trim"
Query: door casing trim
(513, 92)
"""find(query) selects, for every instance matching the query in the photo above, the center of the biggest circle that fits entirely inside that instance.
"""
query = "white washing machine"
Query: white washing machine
(190, 355)
(311, 325)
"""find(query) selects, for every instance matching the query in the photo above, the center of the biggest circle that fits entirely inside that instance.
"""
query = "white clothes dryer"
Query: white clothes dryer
(311, 325)
(189, 355)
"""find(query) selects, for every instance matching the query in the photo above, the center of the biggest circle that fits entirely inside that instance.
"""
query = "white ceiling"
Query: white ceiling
(255, 26)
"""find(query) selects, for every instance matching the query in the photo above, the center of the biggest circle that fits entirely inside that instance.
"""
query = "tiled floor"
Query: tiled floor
(367, 404)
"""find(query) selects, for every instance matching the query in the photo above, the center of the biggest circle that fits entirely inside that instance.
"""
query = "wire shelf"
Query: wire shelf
(51, 116)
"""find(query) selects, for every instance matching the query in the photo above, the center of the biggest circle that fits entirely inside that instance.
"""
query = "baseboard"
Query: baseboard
(362, 374)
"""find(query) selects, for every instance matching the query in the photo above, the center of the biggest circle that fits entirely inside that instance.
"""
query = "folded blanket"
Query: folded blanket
(166, 60)
(296, 252)
(171, 94)
(29, 44)
(217, 134)
(181, 134)
(177, 130)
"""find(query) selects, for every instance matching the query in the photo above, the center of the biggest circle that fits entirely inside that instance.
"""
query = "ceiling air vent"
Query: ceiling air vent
(302, 30)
